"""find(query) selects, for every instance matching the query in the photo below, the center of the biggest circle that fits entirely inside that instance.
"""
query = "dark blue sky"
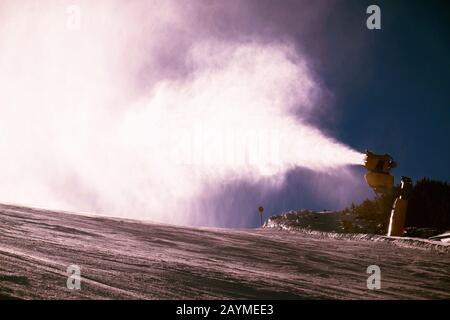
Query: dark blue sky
(389, 92)
(391, 86)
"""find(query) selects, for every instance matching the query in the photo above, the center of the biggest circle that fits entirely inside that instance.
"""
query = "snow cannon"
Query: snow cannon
(380, 180)
(378, 176)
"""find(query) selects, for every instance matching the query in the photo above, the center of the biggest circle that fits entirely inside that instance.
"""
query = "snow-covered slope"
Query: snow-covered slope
(129, 259)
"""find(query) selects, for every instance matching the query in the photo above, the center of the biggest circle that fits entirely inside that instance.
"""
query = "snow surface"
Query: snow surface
(123, 259)
(445, 237)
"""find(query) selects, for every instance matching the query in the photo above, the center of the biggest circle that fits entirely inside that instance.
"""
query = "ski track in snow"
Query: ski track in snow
(123, 259)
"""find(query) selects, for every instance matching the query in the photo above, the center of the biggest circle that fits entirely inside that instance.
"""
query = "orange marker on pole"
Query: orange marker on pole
(261, 210)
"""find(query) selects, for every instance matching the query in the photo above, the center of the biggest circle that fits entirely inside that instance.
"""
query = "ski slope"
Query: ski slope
(123, 259)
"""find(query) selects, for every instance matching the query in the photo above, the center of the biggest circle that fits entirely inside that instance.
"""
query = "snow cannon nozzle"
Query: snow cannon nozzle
(379, 162)
(379, 167)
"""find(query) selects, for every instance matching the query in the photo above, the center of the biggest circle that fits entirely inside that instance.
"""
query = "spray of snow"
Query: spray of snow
(91, 119)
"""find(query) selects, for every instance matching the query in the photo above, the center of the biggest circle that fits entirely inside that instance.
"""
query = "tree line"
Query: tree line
(428, 207)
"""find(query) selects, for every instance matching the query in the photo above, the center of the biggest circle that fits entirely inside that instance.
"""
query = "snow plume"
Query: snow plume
(132, 109)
